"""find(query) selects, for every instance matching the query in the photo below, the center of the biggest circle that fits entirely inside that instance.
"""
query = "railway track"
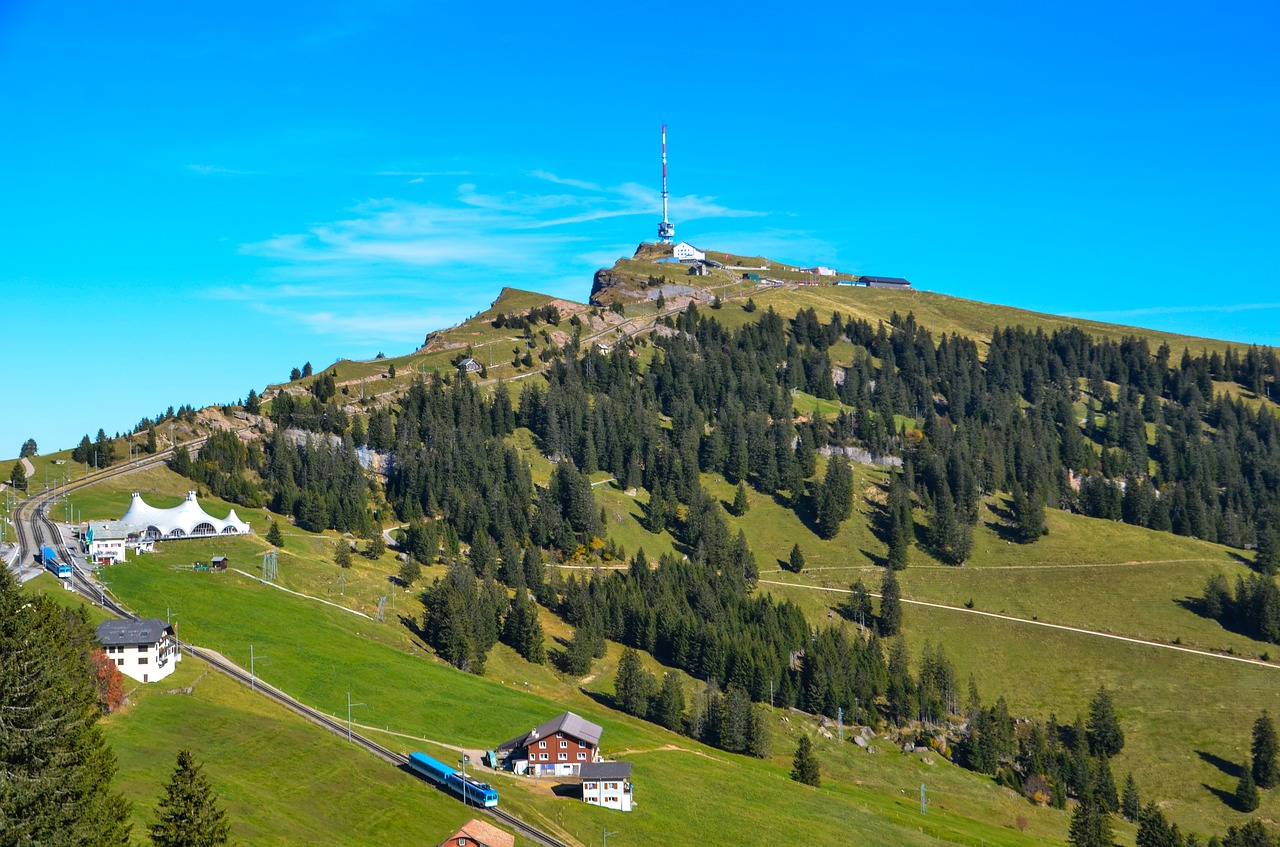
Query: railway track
(34, 525)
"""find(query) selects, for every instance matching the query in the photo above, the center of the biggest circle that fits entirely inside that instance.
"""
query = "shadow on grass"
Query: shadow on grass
(571, 790)
(1227, 797)
(875, 558)
(1005, 532)
(1227, 766)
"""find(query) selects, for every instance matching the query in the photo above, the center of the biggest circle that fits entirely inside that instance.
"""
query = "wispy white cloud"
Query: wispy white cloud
(403, 267)
(422, 173)
(1144, 311)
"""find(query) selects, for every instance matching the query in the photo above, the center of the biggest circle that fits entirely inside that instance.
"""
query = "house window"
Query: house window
(119, 661)
(142, 660)
(559, 735)
(562, 757)
(564, 745)
(142, 648)
(544, 757)
(582, 757)
(542, 745)
(462, 842)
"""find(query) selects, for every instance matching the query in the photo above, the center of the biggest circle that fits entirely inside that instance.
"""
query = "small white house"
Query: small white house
(144, 649)
(686, 252)
(105, 542)
(607, 784)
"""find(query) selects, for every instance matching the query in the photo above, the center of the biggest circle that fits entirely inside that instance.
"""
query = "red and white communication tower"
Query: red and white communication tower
(666, 229)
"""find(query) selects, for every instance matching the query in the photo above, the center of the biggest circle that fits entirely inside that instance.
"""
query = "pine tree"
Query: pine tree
(1267, 560)
(805, 765)
(1247, 797)
(796, 560)
(835, 497)
(1264, 752)
(1154, 829)
(375, 547)
(1103, 731)
(655, 511)
(274, 537)
(580, 653)
(252, 404)
(1104, 784)
(18, 476)
(1130, 802)
(668, 709)
(522, 631)
(890, 605)
(29, 449)
(57, 766)
(1028, 515)
(740, 502)
(189, 814)
(152, 444)
(633, 685)
(341, 554)
(1090, 825)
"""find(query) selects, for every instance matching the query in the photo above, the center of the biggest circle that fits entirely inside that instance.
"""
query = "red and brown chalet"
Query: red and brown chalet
(560, 747)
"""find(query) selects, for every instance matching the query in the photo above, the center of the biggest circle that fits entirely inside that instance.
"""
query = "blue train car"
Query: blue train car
(472, 791)
(433, 769)
(59, 569)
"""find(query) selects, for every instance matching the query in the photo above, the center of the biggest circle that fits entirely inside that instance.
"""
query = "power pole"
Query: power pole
(924, 801)
(350, 706)
(605, 839)
(252, 678)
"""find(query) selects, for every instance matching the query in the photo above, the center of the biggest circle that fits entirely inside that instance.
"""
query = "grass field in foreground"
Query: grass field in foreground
(319, 654)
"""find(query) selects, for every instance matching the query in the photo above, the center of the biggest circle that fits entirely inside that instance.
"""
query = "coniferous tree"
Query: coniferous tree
(152, 444)
(1104, 784)
(890, 605)
(1028, 515)
(252, 403)
(740, 502)
(580, 652)
(1154, 829)
(57, 766)
(342, 554)
(189, 814)
(522, 630)
(804, 767)
(1267, 560)
(18, 477)
(375, 547)
(29, 449)
(1263, 751)
(1130, 801)
(796, 560)
(1247, 797)
(1090, 825)
(668, 709)
(835, 497)
(1103, 732)
(274, 537)
(633, 686)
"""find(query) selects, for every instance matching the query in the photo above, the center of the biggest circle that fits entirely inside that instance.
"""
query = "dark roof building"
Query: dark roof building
(596, 771)
(558, 747)
(144, 649)
(130, 633)
(884, 282)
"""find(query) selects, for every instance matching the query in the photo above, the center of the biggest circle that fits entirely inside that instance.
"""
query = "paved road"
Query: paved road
(1179, 648)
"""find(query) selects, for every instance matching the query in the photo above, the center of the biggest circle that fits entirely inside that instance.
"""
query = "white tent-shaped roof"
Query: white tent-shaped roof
(186, 520)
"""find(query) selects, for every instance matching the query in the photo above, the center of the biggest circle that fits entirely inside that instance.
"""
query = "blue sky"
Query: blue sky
(196, 199)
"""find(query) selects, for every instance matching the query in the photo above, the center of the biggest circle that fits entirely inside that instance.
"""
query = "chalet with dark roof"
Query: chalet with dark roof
(559, 747)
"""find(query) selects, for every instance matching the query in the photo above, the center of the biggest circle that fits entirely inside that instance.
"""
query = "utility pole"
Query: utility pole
(252, 677)
(465, 800)
(605, 839)
(351, 706)
(924, 801)
(840, 721)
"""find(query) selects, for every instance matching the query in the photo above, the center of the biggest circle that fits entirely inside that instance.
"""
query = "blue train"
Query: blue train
(472, 791)
(50, 558)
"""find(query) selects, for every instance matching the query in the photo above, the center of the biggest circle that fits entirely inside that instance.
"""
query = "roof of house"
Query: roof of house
(484, 834)
(114, 530)
(142, 631)
(568, 723)
(595, 771)
(892, 280)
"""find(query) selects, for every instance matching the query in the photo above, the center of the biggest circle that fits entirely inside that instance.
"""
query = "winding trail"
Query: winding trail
(1177, 647)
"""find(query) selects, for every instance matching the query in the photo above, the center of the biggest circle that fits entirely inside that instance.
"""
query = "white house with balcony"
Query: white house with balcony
(144, 649)
(607, 784)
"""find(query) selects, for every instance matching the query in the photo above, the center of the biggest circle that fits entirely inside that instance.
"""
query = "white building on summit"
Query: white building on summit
(186, 520)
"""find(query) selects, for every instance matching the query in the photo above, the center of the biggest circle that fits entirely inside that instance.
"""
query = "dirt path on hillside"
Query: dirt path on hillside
(1076, 629)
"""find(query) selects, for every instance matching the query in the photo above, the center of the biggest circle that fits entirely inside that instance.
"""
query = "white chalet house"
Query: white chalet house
(686, 252)
(607, 784)
(144, 649)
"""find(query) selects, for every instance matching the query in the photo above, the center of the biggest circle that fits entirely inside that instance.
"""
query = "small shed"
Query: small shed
(469, 366)
(219, 563)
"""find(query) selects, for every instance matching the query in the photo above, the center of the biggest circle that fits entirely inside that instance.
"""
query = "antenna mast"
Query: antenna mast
(666, 230)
